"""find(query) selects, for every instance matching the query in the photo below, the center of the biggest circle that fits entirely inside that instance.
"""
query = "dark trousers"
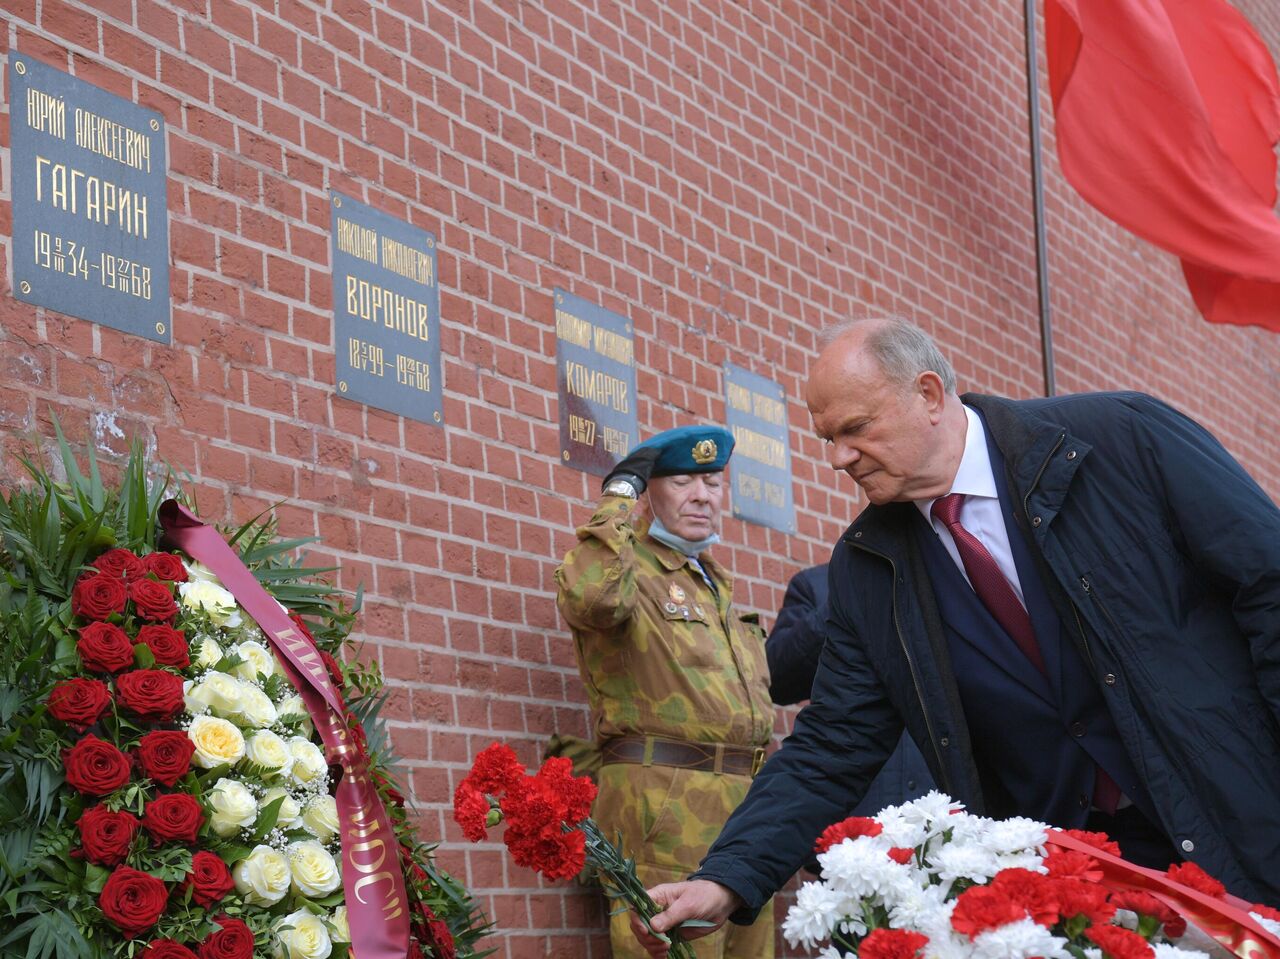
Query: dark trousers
(1141, 841)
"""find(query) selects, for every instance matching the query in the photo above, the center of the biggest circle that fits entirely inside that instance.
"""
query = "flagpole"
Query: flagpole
(1037, 190)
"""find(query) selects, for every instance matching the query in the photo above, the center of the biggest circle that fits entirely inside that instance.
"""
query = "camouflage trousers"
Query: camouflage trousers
(667, 819)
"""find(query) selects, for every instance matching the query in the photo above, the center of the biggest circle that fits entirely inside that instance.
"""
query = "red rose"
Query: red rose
(79, 702)
(152, 600)
(892, 944)
(106, 836)
(104, 648)
(232, 941)
(980, 908)
(120, 564)
(150, 693)
(1193, 877)
(97, 597)
(95, 767)
(165, 566)
(165, 755)
(1120, 943)
(132, 900)
(335, 670)
(850, 828)
(175, 817)
(167, 645)
(210, 878)
(165, 949)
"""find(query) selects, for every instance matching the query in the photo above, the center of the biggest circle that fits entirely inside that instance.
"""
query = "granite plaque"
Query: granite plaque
(761, 465)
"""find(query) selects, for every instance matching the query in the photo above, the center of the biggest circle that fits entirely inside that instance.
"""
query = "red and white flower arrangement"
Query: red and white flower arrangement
(926, 880)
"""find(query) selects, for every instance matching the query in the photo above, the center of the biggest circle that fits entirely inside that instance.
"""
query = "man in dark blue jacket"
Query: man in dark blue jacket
(1072, 605)
(793, 648)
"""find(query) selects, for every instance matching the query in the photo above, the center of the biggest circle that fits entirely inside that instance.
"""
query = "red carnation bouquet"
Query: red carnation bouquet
(549, 827)
(163, 793)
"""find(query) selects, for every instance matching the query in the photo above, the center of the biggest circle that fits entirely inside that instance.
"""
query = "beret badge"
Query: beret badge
(704, 452)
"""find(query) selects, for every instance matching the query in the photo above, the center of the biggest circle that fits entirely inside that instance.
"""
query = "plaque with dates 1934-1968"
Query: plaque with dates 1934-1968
(386, 311)
(90, 212)
(761, 467)
(596, 380)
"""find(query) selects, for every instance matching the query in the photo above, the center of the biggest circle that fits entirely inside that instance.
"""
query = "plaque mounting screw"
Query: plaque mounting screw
(20, 67)
(436, 416)
(337, 201)
(160, 328)
(155, 124)
(342, 386)
(559, 298)
(431, 244)
(565, 454)
(24, 286)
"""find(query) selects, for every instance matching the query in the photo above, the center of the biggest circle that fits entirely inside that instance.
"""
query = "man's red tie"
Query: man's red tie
(1002, 602)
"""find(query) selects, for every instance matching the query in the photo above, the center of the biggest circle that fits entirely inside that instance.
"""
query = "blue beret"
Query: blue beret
(691, 449)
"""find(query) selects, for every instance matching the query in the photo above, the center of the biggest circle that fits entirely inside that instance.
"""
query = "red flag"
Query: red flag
(1167, 115)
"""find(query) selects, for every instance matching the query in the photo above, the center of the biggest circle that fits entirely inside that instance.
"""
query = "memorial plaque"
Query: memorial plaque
(386, 311)
(596, 378)
(761, 464)
(90, 212)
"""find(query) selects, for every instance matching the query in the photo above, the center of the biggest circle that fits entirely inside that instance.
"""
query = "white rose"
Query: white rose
(217, 693)
(216, 740)
(292, 705)
(308, 761)
(303, 936)
(264, 748)
(315, 874)
(288, 813)
(256, 707)
(263, 877)
(217, 603)
(258, 660)
(339, 929)
(208, 654)
(232, 807)
(321, 817)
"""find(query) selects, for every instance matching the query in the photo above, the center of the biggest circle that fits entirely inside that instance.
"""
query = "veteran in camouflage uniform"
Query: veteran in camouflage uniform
(676, 676)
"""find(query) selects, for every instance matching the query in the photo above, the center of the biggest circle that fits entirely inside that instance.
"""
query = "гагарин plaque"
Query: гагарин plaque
(90, 213)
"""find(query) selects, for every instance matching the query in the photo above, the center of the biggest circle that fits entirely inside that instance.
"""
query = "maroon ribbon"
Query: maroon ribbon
(377, 907)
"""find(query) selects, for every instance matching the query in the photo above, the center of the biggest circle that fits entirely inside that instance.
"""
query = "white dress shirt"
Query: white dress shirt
(980, 512)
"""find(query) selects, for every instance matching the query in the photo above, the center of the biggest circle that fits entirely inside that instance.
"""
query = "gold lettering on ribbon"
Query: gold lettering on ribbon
(306, 655)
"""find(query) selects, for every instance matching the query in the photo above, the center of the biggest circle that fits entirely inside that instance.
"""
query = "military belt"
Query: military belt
(681, 754)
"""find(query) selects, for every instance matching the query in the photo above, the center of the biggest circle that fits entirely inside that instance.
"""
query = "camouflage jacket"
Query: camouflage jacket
(661, 654)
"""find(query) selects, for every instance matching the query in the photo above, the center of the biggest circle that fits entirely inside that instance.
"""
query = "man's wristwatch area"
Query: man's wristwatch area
(622, 486)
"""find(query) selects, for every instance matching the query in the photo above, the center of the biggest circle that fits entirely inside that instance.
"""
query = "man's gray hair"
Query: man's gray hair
(902, 349)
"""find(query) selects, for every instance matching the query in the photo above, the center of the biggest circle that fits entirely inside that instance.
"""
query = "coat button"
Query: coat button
(1078, 730)
(944, 741)
(858, 535)
(1109, 679)
(911, 784)
(1188, 845)
(1071, 454)
(1035, 521)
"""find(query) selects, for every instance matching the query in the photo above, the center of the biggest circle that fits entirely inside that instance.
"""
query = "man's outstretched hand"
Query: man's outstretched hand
(680, 901)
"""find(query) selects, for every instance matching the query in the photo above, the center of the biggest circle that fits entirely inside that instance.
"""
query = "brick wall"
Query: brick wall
(730, 176)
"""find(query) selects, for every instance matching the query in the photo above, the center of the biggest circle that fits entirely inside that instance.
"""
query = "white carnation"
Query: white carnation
(1019, 940)
(1015, 835)
(1166, 950)
(963, 861)
(814, 915)
(861, 867)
